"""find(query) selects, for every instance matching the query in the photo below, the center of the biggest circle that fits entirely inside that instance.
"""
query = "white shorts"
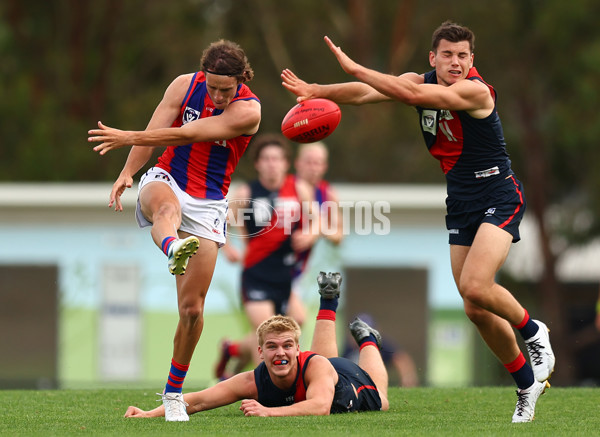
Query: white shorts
(204, 218)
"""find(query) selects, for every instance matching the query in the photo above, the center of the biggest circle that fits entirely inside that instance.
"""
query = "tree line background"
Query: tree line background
(68, 63)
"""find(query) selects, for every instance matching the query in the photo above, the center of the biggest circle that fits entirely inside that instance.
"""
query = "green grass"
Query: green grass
(415, 412)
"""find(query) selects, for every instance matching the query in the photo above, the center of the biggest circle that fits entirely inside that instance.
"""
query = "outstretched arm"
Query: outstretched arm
(240, 118)
(240, 386)
(409, 88)
(347, 93)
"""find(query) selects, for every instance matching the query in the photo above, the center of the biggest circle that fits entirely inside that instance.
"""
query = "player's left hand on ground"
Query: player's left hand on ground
(251, 407)
(135, 412)
(110, 138)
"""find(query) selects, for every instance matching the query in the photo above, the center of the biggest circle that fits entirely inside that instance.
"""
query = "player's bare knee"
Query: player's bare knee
(474, 291)
(191, 312)
(166, 211)
(476, 314)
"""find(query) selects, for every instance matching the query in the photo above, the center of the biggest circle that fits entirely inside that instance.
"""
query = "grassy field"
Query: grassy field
(415, 412)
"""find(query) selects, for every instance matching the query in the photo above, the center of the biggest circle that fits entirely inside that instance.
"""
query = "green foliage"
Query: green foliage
(413, 412)
(66, 65)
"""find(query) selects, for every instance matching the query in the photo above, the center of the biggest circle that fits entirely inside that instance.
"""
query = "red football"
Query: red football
(312, 120)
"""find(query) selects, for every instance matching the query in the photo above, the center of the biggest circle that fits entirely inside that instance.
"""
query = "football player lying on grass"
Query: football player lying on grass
(289, 382)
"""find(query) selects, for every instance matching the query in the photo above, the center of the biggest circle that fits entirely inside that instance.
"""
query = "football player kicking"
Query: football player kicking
(289, 382)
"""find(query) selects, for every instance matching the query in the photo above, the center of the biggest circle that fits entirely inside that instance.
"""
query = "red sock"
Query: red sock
(233, 350)
(515, 365)
(528, 328)
(326, 315)
(524, 321)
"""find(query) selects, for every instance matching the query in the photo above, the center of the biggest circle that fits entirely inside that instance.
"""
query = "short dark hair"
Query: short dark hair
(452, 32)
(226, 58)
(264, 140)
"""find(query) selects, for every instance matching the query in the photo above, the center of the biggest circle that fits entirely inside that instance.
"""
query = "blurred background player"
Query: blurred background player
(311, 164)
(275, 230)
(394, 357)
(207, 119)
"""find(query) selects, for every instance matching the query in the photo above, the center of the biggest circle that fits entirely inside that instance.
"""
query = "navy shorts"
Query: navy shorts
(503, 207)
(351, 378)
(258, 290)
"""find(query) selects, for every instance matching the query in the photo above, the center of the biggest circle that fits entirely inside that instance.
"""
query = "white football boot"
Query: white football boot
(526, 399)
(175, 407)
(540, 353)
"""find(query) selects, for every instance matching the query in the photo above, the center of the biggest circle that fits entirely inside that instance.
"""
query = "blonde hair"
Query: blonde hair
(278, 324)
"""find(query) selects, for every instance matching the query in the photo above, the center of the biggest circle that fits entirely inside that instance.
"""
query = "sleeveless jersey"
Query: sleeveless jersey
(204, 169)
(273, 217)
(270, 395)
(354, 391)
(471, 151)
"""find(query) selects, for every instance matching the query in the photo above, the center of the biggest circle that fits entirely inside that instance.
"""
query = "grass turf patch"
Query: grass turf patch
(419, 411)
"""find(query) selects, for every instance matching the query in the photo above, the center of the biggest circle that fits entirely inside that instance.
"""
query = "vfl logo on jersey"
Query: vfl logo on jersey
(490, 212)
(431, 124)
(190, 114)
(429, 121)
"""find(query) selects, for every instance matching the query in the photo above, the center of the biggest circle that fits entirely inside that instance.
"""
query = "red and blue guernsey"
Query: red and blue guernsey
(471, 151)
(204, 169)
